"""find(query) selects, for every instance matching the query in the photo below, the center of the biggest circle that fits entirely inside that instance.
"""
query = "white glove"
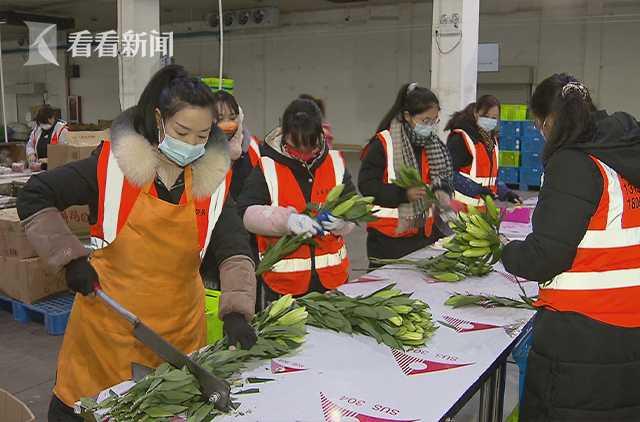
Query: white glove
(303, 224)
(334, 224)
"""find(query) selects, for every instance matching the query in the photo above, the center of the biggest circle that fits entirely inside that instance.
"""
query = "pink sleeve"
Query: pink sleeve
(267, 220)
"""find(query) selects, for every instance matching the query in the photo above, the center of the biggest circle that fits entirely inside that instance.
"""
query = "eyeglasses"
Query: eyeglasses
(429, 122)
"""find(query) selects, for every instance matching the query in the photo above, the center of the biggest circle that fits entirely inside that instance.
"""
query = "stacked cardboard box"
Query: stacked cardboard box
(23, 275)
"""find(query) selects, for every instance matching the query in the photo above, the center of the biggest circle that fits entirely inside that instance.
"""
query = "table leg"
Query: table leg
(492, 396)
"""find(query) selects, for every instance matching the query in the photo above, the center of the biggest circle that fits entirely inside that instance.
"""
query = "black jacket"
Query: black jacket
(76, 183)
(578, 368)
(387, 195)
(460, 156)
(569, 196)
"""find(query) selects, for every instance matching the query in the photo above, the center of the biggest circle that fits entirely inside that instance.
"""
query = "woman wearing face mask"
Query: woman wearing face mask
(244, 149)
(585, 251)
(407, 136)
(157, 194)
(48, 131)
(327, 129)
(473, 144)
(297, 168)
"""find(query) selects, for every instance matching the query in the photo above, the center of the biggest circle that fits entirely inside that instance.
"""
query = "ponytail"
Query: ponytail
(411, 98)
(569, 102)
(170, 90)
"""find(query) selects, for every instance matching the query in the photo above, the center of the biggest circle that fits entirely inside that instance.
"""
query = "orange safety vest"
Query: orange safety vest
(387, 222)
(254, 151)
(482, 170)
(328, 257)
(58, 127)
(603, 282)
(117, 195)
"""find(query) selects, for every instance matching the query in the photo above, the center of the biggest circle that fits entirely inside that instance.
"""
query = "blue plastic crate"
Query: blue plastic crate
(531, 160)
(509, 175)
(530, 177)
(510, 129)
(53, 312)
(531, 144)
(528, 129)
(510, 144)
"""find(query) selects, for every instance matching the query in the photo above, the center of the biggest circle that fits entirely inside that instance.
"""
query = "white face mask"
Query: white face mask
(487, 123)
(45, 126)
(179, 151)
(423, 130)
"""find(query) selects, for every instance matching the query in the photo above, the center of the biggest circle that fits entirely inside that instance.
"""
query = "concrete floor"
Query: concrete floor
(28, 355)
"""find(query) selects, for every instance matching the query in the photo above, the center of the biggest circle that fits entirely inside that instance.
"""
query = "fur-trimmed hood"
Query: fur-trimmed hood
(140, 160)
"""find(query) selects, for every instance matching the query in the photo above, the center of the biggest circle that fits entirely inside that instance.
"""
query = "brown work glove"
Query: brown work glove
(238, 287)
(51, 238)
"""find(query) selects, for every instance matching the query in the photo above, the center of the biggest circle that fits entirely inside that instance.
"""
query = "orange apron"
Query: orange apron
(151, 268)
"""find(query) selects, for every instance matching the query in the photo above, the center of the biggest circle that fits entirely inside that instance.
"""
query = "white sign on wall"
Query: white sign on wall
(489, 57)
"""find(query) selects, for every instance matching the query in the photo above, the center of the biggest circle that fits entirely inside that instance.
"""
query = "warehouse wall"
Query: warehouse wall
(357, 65)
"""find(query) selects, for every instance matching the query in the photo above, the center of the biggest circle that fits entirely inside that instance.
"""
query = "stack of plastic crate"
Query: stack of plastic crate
(509, 159)
(531, 144)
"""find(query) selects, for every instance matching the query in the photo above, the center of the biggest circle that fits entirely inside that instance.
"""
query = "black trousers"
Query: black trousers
(385, 247)
(60, 412)
(580, 369)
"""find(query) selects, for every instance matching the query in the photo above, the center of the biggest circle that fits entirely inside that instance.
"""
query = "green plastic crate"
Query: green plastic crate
(513, 112)
(214, 83)
(214, 324)
(509, 159)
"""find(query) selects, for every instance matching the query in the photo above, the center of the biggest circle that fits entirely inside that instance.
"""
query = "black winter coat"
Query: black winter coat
(579, 368)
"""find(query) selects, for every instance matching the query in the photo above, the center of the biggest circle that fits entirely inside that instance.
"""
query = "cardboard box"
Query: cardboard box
(29, 280)
(60, 154)
(14, 410)
(13, 240)
(77, 218)
(86, 138)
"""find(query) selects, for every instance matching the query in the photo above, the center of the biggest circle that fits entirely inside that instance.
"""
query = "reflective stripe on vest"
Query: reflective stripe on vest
(117, 196)
(387, 222)
(604, 279)
(483, 170)
(254, 151)
(293, 273)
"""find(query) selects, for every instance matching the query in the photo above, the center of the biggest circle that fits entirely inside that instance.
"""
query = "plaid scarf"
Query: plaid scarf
(404, 139)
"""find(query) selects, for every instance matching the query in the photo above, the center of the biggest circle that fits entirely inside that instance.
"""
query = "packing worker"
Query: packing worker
(585, 253)
(48, 130)
(157, 194)
(407, 136)
(244, 149)
(297, 168)
(473, 145)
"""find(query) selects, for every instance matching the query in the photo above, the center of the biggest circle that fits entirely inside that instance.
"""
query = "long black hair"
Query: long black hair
(170, 90)
(45, 112)
(467, 116)
(411, 98)
(569, 101)
(302, 123)
(223, 97)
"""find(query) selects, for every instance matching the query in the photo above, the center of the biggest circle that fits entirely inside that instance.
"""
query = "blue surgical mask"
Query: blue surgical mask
(487, 123)
(423, 130)
(178, 151)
